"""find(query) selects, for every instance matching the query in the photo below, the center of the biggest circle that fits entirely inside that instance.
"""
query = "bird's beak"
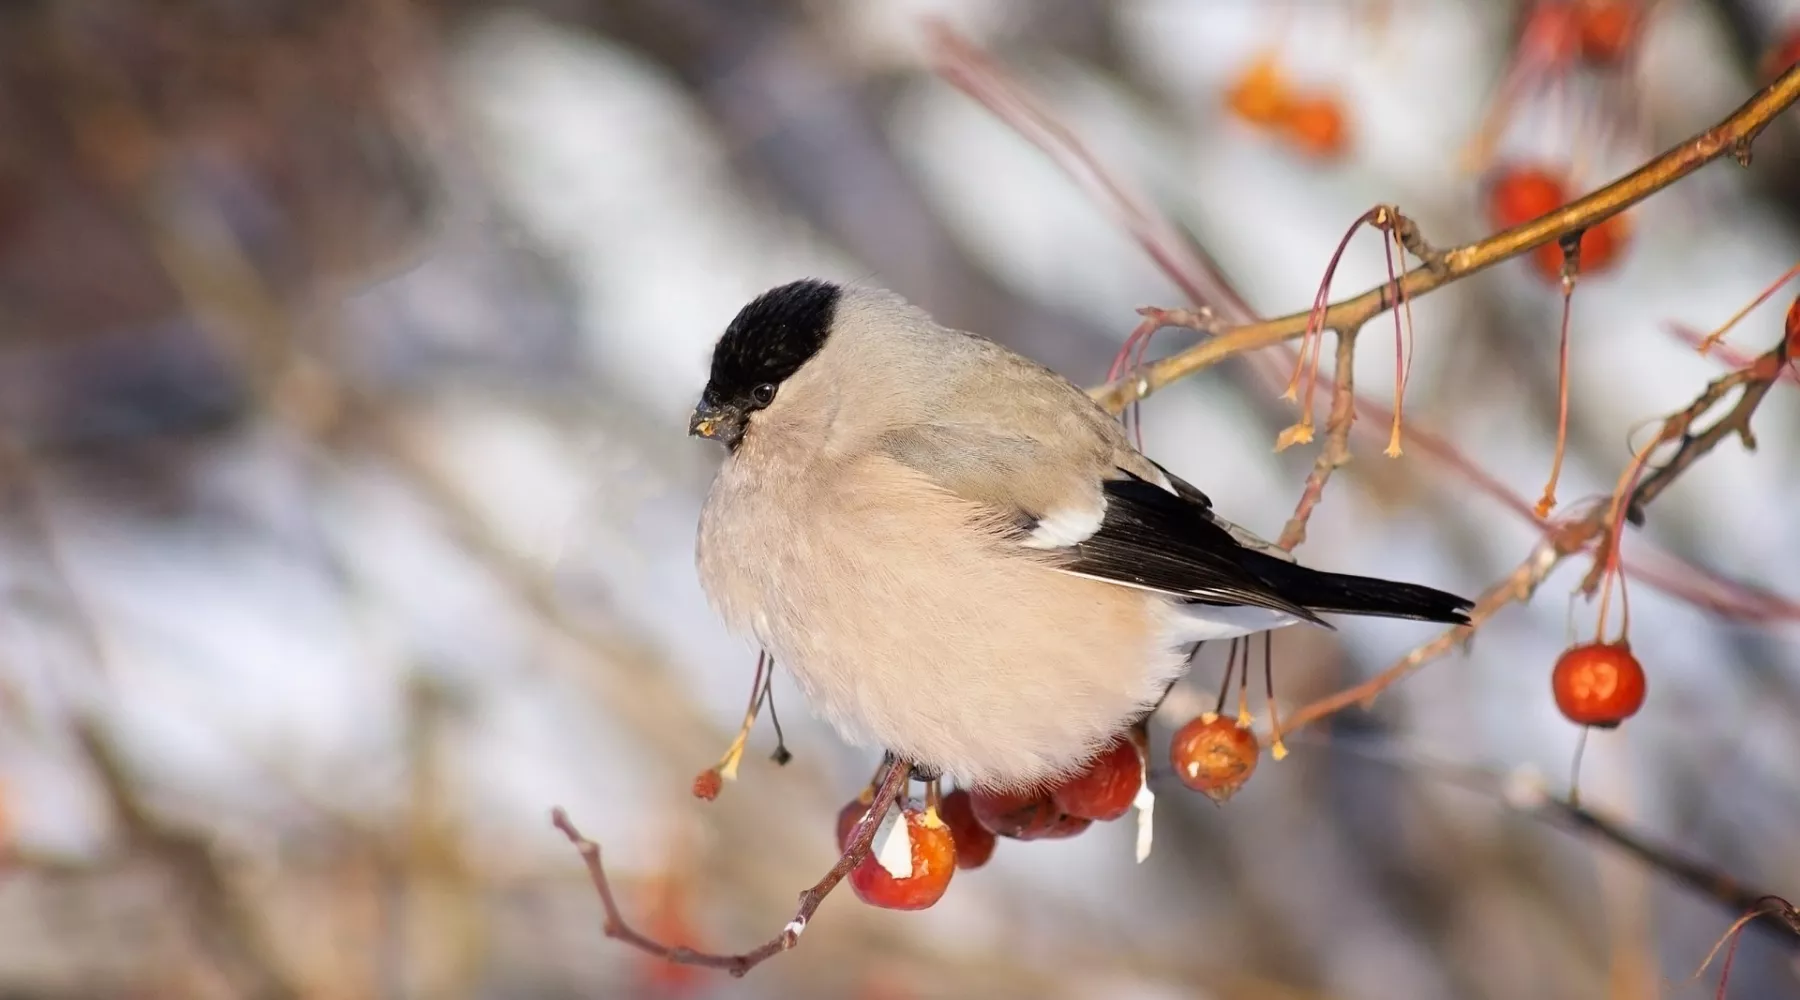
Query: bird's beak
(720, 423)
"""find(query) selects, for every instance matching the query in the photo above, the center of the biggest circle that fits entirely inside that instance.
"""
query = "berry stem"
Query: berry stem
(1277, 749)
(1225, 686)
(1547, 502)
(1395, 248)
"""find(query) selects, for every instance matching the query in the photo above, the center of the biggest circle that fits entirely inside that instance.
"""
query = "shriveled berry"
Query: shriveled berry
(1104, 790)
(1598, 684)
(933, 861)
(974, 842)
(1214, 756)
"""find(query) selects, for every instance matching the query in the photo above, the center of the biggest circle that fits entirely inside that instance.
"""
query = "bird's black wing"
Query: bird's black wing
(1158, 540)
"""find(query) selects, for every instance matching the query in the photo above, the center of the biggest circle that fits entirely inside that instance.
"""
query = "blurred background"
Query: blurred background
(346, 509)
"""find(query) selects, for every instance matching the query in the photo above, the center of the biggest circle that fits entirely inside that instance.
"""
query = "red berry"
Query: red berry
(1599, 684)
(974, 842)
(1028, 815)
(1522, 192)
(1609, 30)
(1782, 55)
(933, 862)
(1105, 790)
(1062, 827)
(1315, 124)
(1214, 756)
(1012, 813)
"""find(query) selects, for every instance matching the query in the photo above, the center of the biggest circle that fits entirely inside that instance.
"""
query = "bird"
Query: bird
(957, 554)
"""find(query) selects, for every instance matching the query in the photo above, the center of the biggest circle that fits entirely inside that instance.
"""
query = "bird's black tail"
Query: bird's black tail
(1342, 594)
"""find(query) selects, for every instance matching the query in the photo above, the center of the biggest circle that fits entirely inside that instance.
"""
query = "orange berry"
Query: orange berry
(1260, 95)
(1214, 756)
(933, 862)
(1598, 684)
(1609, 30)
(1105, 790)
(1315, 124)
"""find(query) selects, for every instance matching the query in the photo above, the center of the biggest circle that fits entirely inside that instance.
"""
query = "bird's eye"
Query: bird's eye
(763, 394)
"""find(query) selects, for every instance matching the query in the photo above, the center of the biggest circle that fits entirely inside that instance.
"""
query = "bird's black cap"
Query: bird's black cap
(770, 339)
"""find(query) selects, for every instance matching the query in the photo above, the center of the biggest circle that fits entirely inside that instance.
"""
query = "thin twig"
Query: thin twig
(861, 841)
(1593, 530)
(1337, 440)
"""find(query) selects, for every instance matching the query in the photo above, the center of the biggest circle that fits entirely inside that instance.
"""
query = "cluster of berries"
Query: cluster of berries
(921, 845)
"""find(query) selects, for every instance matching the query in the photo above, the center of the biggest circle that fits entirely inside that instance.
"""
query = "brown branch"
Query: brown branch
(861, 841)
(1757, 378)
(1733, 135)
(1336, 451)
(1518, 587)
(1697, 875)
(1596, 529)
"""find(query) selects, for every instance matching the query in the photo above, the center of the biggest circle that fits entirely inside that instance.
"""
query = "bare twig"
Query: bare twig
(1337, 441)
(1596, 529)
(861, 841)
(1523, 793)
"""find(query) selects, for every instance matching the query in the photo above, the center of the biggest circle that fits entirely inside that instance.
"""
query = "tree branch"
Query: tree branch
(1733, 135)
(1596, 529)
(1337, 440)
(861, 841)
